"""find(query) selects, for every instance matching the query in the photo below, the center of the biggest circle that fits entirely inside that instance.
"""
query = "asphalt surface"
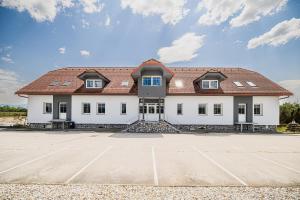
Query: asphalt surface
(149, 159)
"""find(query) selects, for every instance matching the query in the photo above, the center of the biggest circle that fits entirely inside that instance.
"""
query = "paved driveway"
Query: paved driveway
(150, 159)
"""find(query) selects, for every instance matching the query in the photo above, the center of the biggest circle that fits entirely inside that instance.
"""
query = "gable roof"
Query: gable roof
(186, 75)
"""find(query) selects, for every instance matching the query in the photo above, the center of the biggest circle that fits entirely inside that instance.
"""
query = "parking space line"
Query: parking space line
(155, 178)
(33, 160)
(220, 166)
(88, 164)
(276, 163)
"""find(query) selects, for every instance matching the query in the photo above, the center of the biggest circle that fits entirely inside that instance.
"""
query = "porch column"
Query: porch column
(159, 112)
(143, 99)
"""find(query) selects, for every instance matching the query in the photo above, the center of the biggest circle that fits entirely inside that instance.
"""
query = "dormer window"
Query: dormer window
(151, 80)
(210, 84)
(94, 83)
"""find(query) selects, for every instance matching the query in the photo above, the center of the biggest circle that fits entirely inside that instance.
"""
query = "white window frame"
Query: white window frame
(221, 109)
(205, 104)
(94, 83)
(82, 108)
(151, 77)
(97, 111)
(261, 109)
(44, 108)
(238, 84)
(251, 84)
(210, 85)
(121, 108)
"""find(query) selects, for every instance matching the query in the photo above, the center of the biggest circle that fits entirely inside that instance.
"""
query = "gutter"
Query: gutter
(285, 97)
(20, 95)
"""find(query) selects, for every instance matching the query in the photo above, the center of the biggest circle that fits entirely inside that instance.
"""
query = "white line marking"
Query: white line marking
(155, 178)
(88, 164)
(220, 166)
(276, 163)
(33, 160)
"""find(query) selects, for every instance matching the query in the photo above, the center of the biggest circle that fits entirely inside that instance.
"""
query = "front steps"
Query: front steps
(151, 127)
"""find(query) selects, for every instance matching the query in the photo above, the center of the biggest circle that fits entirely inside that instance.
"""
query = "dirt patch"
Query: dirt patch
(13, 120)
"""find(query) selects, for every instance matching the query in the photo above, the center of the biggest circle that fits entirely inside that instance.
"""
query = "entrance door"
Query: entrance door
(62, 110)
(152, 114)
(242, 112)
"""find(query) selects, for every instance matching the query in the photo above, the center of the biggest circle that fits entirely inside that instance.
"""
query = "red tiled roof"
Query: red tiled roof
(186, 75)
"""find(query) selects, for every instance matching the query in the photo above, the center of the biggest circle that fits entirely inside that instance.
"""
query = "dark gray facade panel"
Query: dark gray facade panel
(152, 91)
(249, 107)
(62, 98)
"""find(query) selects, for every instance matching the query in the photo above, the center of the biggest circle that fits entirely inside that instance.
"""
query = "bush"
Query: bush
(288, 112)
(12, 109)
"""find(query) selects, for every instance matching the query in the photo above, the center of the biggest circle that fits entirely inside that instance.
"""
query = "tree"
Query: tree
(289, 112)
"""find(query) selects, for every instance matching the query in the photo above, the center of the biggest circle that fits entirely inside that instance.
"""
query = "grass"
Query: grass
(282, 128)
(12, 114)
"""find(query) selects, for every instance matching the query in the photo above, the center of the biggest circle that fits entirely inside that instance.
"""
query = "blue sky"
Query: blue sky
(38, 36)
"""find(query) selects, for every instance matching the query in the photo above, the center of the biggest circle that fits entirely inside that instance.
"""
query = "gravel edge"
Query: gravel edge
(95, 191)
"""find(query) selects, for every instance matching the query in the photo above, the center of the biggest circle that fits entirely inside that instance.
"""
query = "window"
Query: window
(251, 84)
(202, 109)
(161, 109)
(210, 84)
(93, 83)
(217, 109)
(151, 109)
(101, 108)
(63, 107)
(257, 109)
(151, 81)
(47, 108)
(179, 109)
(141, 109)
(239, 84)
(123, 108)
(156, 81)
(242, 109)
(86, 108)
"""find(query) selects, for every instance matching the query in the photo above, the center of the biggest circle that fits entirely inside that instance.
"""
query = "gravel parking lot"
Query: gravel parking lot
(78, 157)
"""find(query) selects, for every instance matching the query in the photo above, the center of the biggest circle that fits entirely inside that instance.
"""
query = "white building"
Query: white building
(209, 98)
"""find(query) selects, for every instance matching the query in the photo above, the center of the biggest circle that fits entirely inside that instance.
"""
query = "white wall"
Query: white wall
(270, 114)
(35, 108)
(112, 107)
(190, 110)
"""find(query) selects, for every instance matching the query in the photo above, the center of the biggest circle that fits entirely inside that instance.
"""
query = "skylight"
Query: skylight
(66, 83)
(178, 83)
(239, 84)
(251, 84)
(124, 83)
(54, 83)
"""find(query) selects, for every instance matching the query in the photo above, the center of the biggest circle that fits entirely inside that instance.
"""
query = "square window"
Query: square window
(98, 83)
(86, 108)
(47, 108)
(205, 84)
(179, 109)
(63, 107)
(214, 84)
(146, 81)
(156, 81)
(217, 109)
(161, 109)
(89, 83)
(101, 108)
(257, 109)
(141, 109)
(123, 108)
(202, 109)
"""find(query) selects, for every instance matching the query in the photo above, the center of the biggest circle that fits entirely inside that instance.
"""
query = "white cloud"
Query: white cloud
(248, 11)
(107, 21)
(294, 87)
(182, 49)
(7, 59)
(171, 11)
(92, 6)
(62, 50)
(10, 83)
(84, 53)
(40, 10)
(280, 34)
(85, 24)
(217, 11)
